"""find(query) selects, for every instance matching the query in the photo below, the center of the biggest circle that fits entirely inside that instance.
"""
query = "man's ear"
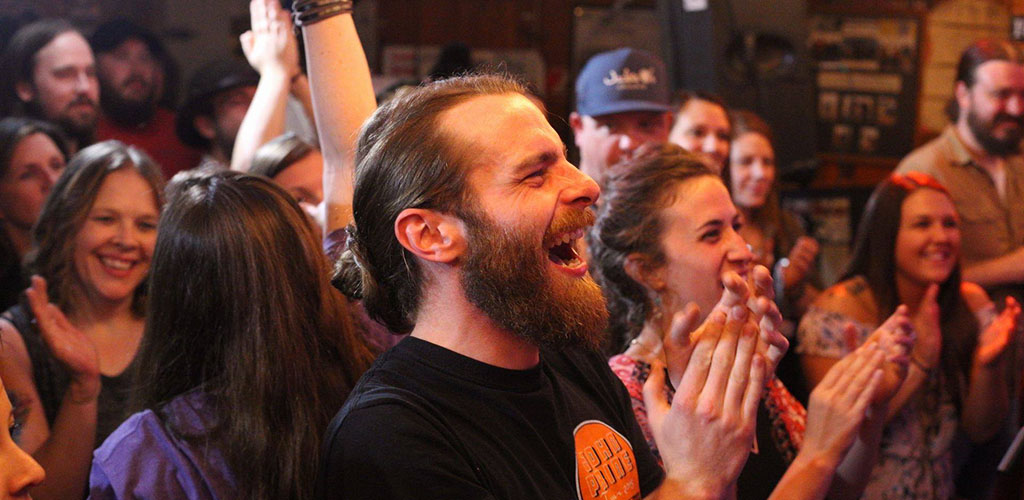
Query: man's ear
(26, 92)
(637, 266)
(576, 122)
(963, 96)
(430, 235)
(669, 119)
(204, 125)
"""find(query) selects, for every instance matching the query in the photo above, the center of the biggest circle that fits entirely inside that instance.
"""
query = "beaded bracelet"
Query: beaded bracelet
(306, 12)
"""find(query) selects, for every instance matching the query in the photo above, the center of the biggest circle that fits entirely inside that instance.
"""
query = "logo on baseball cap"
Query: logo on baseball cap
(622, 80)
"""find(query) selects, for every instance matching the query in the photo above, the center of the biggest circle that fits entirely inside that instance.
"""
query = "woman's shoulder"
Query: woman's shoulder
(138, 436)
(146, 454)
(13, 351)
(851, 298)
(139, 432)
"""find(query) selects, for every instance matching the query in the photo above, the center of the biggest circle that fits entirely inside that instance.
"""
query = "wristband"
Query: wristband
(306, 12)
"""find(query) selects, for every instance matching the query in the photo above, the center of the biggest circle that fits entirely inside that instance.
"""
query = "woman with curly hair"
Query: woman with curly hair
(668, 238)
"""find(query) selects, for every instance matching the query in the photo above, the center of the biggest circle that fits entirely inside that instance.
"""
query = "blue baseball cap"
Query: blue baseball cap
(622, 80)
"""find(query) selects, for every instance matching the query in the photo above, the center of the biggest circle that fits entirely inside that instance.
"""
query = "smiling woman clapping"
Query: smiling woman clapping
(67, 349)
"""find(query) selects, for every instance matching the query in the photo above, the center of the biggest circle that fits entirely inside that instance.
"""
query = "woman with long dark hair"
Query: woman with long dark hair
(32, 156)
(68, 349)
(667, 237)
(775, 236)
(907, 251)
(248, 351)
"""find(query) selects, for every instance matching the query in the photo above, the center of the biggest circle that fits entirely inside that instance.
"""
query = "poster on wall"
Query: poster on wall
(866, 79)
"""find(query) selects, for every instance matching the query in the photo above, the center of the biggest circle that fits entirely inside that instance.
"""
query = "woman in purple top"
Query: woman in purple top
(248, 351)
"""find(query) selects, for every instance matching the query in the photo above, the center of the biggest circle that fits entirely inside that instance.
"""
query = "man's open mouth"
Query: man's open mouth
(562, 249)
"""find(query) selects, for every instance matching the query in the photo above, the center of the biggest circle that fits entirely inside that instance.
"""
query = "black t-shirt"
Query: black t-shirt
(426, 422)
(764, 469)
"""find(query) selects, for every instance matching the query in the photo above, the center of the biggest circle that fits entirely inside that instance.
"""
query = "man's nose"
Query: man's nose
(629, 142)
(1015, 105)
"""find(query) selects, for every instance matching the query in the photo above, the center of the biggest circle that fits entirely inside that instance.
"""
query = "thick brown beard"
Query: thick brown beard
(124, 111)
(983, 132)
(505, 275)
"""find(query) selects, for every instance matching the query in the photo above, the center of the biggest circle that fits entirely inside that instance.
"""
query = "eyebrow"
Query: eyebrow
(72, 66)
(711, 223)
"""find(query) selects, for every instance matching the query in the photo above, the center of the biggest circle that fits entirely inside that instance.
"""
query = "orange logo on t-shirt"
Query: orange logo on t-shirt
(605, 464)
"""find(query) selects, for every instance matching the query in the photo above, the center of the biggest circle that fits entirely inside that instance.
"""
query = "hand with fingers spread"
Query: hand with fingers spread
(69, 345)
(993, 340)
(270, 44)
(837, 405)
(758, 296)
(928, 346)
(704, 433)
(838, 421)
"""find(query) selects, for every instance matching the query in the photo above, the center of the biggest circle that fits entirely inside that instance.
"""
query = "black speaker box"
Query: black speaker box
(752, 53)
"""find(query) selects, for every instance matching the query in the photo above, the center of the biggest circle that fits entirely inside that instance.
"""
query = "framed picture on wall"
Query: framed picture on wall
(866, 78)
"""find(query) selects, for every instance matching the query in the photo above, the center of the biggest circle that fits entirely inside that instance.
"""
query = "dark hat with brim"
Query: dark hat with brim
(111, 34)
(208, 81)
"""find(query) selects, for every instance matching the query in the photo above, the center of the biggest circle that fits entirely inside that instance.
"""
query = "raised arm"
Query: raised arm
(64, 450)
(343, 99)
(271, 49)
(1000, 270)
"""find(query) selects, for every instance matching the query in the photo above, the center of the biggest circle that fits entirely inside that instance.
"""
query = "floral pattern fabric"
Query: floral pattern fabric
(787, 417)
(915, 461)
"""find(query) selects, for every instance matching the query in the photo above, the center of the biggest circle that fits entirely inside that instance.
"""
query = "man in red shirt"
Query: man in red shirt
(128, 64)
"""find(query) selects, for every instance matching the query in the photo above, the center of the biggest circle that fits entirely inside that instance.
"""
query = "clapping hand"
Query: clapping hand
(928, 345)
(69, 345)
(758, 294)
(704, 434)
(993, 340)
(838, 404)
(895, 339)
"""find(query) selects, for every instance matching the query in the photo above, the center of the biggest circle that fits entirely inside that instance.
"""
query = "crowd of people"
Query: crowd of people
(281, 288)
